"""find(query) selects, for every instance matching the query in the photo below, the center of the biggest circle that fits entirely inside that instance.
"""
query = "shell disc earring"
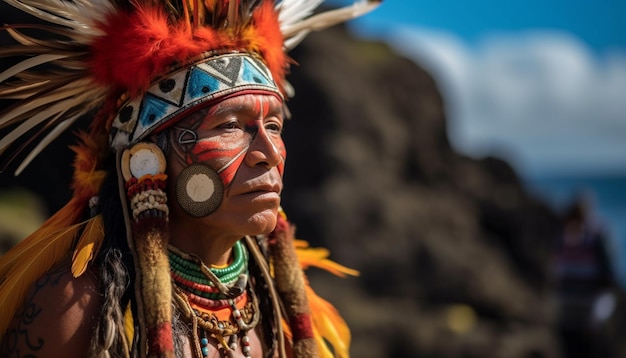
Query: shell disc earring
(199, 190)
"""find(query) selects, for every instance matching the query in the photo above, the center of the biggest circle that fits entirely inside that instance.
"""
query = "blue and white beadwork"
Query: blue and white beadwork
(177, 92)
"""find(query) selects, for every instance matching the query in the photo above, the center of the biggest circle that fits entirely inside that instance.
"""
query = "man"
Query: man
(174, 243)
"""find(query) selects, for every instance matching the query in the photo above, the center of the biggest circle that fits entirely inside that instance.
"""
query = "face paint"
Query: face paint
(278, 145)
(227, 132)
(208, 151)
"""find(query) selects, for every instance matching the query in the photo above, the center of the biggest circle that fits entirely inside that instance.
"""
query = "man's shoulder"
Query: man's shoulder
(60, 283)
(57, 316)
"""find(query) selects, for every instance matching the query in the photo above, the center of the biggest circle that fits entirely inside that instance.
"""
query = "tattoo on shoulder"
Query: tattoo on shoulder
(19, 341)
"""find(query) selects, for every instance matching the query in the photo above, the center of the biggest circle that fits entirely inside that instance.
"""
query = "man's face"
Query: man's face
(240, 139)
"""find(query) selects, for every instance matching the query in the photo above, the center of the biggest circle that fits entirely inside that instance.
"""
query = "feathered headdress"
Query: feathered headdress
(106, 51)
(136, 64)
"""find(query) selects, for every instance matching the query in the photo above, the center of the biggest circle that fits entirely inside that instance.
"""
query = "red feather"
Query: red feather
(269, 40)
(137, 47)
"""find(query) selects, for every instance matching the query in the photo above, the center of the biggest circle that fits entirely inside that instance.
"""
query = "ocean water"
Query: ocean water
(606, 196)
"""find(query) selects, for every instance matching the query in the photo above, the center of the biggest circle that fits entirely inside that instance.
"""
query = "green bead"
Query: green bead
(191, 271)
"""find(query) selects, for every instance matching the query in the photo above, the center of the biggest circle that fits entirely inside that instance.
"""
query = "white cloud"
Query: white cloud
(541, 99)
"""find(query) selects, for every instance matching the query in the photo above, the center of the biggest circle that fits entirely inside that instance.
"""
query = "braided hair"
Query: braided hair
(116, 271)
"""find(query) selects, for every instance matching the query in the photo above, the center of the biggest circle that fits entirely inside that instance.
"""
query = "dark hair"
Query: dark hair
(116, 272)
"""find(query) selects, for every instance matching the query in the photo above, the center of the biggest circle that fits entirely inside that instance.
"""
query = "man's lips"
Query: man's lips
(260, 188)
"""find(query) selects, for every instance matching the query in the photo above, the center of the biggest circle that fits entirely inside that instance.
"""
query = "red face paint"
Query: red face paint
(229, 129)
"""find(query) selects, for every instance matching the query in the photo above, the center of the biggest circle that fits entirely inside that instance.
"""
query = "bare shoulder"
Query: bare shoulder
(57, 317)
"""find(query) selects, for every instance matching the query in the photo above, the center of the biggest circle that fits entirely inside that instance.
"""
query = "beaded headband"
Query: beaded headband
(187, 88)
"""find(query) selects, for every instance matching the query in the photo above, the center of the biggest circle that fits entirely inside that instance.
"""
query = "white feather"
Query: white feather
(17, 36)
(294, 11)
(78, 15)
(29, 63)
(21, 92)
(49, 138)
(329, 18)
(47, 15)
(54, 111)
(98, 9)
(66, 98)
(293, 41)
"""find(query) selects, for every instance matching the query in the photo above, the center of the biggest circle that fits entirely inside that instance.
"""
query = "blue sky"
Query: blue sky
(601, 24)
(539, 83)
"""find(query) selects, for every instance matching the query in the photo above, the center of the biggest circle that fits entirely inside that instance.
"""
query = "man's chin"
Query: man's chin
(264, 222)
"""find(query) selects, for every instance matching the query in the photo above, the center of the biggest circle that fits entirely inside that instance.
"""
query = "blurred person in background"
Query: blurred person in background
(585, 283)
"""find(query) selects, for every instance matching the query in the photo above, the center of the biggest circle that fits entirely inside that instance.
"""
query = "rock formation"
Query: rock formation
(453, 252)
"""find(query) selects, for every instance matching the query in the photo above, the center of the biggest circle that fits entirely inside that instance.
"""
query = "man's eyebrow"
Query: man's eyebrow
(239, 107)
(221, 108)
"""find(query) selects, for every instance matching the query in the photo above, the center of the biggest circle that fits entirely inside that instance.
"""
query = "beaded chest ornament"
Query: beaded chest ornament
(218, 303)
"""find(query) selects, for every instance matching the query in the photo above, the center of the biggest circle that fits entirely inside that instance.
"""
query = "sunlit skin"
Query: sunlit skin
(240, 138)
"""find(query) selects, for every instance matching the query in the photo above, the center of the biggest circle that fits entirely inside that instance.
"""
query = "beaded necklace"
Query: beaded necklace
(218, 302)
(193, 276)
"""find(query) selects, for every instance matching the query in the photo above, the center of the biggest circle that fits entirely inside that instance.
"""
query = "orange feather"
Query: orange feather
(318, 257)
(63, 219)
(331, 332)
(30, 259)
(328, 325)
(329, 328)
(88, 245)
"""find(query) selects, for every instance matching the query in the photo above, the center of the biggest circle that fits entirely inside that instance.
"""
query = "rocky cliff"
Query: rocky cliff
(453, 252)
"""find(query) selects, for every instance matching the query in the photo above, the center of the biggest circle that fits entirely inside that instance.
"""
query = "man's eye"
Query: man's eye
(230, 125)
(274, 127)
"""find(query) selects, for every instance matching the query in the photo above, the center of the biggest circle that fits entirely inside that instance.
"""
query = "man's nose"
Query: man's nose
(263, 149)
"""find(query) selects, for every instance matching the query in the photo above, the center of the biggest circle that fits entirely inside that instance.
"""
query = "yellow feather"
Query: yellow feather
(88, 245)
(27, 261)
(129, 325)
(42, 253)
(64, 219)
(322, 346)
(329, 325)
